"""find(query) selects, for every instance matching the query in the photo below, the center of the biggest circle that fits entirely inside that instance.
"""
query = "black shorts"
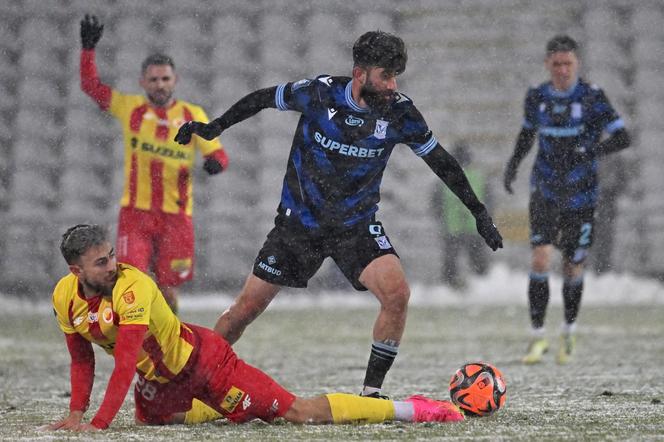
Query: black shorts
(571, 231)
(292, 254)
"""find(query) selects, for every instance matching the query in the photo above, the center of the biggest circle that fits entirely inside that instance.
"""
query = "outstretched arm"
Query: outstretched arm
(128, 345)
(248, 106)
(91, 32)
(524, 143)
(447, 168)
(82, 377)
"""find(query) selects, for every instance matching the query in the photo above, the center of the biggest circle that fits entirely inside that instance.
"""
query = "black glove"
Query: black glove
(212, 166)
(487, 229)
(207, 131)
(91, 31)
(509, 177)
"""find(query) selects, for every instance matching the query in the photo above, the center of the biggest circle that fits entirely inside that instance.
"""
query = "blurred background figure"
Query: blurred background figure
(458, 236)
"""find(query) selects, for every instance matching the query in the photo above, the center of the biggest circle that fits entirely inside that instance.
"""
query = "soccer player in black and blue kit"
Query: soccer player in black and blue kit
(346, 133)
(570, 116)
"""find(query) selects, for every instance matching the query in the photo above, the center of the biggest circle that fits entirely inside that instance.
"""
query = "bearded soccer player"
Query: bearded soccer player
(186, 373)
(347, 130)
(155, 224)
(570, 116)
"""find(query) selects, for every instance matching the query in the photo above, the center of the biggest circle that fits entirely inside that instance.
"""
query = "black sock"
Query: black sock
(572, 291)
(380, 360)
(538, 296)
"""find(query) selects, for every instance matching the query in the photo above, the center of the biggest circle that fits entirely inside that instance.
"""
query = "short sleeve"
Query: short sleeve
(120, 104)
(299, 95)
(416, 133)
(605, 116)
(133, 305)
(61, 310)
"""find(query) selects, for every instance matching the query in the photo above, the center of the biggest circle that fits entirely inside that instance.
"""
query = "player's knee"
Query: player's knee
(396, 300)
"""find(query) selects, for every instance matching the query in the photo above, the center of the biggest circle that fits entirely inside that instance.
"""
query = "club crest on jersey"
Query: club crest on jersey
(381, 129)
(129, 297)
(383, 242)
(354, 121)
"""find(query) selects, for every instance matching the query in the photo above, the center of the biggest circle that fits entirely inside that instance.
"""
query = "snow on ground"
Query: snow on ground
(502, 286)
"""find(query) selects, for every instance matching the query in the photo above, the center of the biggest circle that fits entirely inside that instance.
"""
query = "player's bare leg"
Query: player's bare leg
(538, 299)
(254, 298)
(385, 278)
(572, 291)
(171, 297)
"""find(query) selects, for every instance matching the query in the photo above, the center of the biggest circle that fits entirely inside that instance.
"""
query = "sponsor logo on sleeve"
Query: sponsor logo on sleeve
(107, 315)
(300, 84)
(246, 403)
(232, 399)
(78, 320)
(383, 242)
(129, 298)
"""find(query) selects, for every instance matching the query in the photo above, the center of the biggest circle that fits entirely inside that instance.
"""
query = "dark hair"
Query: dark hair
(157, 59)
(561, 43)
(78, 239)
(380, 49)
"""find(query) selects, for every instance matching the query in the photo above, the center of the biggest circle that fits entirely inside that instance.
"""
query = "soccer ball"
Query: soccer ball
(478, 388)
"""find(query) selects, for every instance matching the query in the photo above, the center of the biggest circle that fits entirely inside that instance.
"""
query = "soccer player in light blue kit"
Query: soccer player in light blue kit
(346, 133)
(570, 117)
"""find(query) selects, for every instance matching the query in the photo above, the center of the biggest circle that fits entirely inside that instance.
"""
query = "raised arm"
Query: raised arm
(447, 168)
(246, 107)
(91, 32)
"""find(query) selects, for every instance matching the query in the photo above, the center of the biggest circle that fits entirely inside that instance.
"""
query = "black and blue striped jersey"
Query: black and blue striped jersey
(570, 125)
(340, 150)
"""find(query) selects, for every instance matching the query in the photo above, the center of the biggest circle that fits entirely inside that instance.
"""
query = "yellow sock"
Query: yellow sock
(200, 413)
(352, 409)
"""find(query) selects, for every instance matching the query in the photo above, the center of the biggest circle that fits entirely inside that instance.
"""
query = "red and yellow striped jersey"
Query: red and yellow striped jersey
(157, 170)
(136, 299)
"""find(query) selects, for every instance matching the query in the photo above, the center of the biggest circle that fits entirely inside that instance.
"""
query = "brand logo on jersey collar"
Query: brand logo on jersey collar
(331, 112)
(381, 129)
(354, 121)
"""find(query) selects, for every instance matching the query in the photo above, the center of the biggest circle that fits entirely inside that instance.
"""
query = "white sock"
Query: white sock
(403, 411)
(568, 329)
(537, 332)
(366, 391)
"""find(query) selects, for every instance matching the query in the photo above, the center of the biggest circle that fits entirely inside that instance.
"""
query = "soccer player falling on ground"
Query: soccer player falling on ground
(570, 116)
(347, 130)
(186, 373)
(155, 223)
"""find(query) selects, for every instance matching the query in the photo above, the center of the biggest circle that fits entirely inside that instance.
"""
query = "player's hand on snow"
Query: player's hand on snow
(91, 30)
(207, 131)
(71, 422)
(87, 427)
(488, 230)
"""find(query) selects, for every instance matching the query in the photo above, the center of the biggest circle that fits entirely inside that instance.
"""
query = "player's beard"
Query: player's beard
(160, 98)
(379, 101)
(103, 288)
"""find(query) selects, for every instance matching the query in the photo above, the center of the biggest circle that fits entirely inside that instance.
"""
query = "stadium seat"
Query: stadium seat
(45, 119)
(36, 92)
(42, 32)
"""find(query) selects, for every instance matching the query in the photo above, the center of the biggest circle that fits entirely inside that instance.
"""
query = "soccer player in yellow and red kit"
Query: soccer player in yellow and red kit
(155, 223)
(186, 373)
